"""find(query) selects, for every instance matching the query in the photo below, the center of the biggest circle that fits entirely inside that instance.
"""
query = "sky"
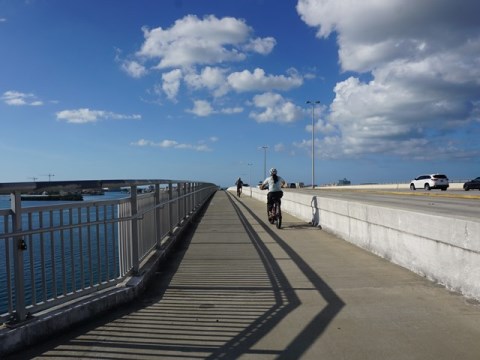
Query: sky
(215, 90)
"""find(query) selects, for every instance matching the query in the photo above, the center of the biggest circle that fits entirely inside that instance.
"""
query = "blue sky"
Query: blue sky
(190, 89)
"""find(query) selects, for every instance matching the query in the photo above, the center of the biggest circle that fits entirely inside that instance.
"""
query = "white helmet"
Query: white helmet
(273, 171)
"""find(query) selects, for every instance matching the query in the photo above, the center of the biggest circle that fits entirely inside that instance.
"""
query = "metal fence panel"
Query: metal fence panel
(74, 249)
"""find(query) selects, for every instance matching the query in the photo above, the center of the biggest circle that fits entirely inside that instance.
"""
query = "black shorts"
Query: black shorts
(274, 196)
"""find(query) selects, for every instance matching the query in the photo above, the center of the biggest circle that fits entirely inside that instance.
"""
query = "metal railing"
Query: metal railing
(51, 254)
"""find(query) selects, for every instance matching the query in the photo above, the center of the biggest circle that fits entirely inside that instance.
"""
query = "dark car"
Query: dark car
(472, 184)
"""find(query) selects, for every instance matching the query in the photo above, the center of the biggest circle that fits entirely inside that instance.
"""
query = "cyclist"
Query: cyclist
(274, 183)
(239, 184)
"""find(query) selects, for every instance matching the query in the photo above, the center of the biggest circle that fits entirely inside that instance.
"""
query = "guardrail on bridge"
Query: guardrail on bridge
(51, 254)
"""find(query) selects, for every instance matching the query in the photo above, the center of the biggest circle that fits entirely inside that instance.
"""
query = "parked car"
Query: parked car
(472, 184)
(428, 182)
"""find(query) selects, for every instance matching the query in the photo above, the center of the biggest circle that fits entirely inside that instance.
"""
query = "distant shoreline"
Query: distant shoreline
(67, 197)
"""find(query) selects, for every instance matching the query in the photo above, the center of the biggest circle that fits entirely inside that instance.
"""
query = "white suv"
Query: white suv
(432, 181)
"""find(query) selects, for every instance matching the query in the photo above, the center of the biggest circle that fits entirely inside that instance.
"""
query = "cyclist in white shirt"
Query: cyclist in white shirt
(274, 183)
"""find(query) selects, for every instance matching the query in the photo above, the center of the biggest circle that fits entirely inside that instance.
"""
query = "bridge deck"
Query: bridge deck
(240, 288)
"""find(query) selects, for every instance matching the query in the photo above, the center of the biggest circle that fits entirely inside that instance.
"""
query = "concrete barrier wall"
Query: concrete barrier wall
(444, 250)
(402, 186)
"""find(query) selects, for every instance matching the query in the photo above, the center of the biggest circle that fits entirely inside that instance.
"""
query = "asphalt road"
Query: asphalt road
(451, 203)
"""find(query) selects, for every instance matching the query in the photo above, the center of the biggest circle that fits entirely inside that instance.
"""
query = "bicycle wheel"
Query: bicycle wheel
(271, 216)
(278, 222)
(278, 216)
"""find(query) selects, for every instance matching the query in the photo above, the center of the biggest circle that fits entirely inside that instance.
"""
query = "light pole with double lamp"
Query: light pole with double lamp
(265, 147)
(313, 103)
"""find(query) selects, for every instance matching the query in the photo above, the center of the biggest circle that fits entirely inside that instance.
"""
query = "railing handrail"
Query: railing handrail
(77, 245)
(70, 185)
(138, 216)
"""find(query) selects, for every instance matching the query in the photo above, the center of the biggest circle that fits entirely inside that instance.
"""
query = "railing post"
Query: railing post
(194, 206)
(158, 230)
(185, 212)
(170, 208)
(179, 194)
(190, 206)
(135, 240)
(19, 247)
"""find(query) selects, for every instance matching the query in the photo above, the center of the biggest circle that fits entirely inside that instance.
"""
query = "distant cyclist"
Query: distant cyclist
(274, 183)
(239, 184)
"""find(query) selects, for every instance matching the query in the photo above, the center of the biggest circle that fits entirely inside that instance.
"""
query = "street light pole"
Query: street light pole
(250, 178)
(313, 139)
(265, 160)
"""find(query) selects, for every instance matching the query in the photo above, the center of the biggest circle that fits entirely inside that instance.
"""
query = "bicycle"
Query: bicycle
(239, 191)
(275, 216)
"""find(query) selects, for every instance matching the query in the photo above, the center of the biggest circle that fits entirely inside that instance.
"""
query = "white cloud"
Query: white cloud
(192, 41)
(171, 83)
(142, 142)
(134, 69)
(321, 124)
(219, 83)
(274, 108)
(3, 20)
(16, 98)
(201, 108)
(162, 144)
(211, 78)
(259, 81)
(82, 116)
(208, 42)
(261, 46)
(166, 144)
(424, 63)
(279, 147)
(229, 111)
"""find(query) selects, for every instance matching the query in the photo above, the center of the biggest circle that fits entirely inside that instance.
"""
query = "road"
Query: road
(452, 203)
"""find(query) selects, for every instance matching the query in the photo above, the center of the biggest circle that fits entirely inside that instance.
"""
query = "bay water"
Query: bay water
(53, 250)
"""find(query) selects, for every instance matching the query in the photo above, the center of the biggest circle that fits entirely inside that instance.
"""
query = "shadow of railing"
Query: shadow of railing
(320, 321)
(207, 305)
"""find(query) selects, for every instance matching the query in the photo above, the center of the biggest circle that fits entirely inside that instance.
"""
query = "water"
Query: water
(5, 200)
(83, 263)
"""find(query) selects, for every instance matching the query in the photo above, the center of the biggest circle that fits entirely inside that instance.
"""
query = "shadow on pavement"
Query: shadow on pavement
(214, 304)
(320, 322)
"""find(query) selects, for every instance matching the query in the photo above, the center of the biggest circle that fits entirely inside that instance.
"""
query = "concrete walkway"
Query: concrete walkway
(241, 289)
